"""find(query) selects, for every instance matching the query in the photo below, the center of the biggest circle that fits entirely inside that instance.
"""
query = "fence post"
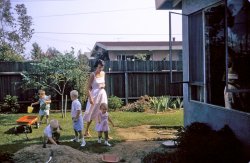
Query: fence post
(126, 87)
(126, 82)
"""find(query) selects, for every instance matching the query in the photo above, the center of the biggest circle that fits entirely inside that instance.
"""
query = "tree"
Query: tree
(82, 58)
(52, 52)
(15, 26)
(141, 56)
(56, 73)
(36, 52)
(7, 54)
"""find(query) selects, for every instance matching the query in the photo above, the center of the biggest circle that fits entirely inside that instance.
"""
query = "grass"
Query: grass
(12, 143)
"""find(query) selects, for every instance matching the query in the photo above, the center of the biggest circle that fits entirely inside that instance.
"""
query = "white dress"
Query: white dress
(99, 96)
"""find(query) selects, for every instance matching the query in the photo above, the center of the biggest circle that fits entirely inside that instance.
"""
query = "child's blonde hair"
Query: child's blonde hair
(104, 105)
(74, 93)
(41, 91)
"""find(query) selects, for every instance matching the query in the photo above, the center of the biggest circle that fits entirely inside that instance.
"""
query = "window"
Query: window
(238, 51)
(219, 54)
(214, 27)
(196, 57)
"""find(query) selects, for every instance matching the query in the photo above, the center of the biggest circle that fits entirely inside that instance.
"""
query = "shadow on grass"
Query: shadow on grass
(91, 145)
(166, 127)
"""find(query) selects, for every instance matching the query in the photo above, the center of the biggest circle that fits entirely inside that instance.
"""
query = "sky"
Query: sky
(81, 23)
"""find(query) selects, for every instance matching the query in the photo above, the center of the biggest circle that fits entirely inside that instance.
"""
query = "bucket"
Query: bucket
(30, 109)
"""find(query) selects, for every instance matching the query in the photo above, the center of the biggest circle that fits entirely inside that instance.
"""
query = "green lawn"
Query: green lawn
(12, 143)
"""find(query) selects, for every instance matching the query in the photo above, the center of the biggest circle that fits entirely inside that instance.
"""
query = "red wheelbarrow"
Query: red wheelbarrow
(24, 124)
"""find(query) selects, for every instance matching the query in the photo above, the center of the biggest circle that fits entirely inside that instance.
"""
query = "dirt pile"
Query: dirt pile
(61, 154)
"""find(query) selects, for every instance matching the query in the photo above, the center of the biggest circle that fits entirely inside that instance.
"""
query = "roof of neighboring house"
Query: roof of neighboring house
(142, 43)
(137, 45)
(168, 4)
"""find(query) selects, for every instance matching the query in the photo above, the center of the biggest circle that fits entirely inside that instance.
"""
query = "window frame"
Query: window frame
(170, 49)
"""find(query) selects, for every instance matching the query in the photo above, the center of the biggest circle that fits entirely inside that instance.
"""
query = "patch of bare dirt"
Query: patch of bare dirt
(146, 132)
(135, 151)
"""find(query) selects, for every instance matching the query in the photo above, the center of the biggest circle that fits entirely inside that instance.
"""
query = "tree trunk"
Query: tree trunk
(65, 108)
(62, 106)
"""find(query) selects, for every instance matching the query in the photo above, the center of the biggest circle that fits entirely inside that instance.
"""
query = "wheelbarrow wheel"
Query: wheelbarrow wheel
(28, 129)
(37, 125)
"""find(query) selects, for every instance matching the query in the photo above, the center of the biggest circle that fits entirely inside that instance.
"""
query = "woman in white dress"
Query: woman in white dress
(96, 95)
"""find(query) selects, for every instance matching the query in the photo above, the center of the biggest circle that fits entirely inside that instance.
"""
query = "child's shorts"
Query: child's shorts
(43, 112)
(78, 125)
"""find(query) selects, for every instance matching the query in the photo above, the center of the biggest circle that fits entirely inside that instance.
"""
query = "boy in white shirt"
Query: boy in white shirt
(76, 114)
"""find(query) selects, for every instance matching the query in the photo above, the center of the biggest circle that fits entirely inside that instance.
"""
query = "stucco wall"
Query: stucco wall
(215, 116)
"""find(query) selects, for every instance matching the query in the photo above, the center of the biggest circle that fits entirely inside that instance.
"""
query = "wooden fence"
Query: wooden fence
(126, 79)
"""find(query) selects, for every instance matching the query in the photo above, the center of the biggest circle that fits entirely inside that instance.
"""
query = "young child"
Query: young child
(76, 114)
(52, 133)
(102, 125)
(44, 102)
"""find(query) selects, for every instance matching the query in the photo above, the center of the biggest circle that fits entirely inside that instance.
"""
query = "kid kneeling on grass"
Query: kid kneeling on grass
(77, 118)
(44, 102)
(52, 133)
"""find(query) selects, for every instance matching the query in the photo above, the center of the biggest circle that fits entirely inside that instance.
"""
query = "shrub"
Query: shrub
(177, 103)
(155, 104)
(199, 143)
(10, 104)
(6, 157)
(114, 103)
(161, 104)
(141, 105)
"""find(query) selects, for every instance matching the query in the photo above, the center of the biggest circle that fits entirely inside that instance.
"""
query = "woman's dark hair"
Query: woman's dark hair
(99, 62)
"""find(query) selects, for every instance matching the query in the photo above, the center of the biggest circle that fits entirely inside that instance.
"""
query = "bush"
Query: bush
(114, 103)
(141, 105)
(6, 157)
(161, 104)
(10, 104)
(177, 103)
(199, 143)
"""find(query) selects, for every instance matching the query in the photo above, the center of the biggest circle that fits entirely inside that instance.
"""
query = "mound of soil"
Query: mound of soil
(130, 151)
(61, 154)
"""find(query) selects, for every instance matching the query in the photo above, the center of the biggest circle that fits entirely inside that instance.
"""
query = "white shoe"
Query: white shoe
(99, 140)
(83, 143)
(107, 143)
(75, 140)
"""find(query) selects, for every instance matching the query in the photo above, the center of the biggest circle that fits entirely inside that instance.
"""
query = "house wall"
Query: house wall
(215, 116)
(158, 55)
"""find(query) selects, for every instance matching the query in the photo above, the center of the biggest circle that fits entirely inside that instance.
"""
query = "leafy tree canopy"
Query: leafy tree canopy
(58, 72)
(15, 26)
(7, 54)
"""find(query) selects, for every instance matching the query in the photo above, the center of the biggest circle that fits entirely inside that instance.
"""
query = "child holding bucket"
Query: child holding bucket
(44, 102)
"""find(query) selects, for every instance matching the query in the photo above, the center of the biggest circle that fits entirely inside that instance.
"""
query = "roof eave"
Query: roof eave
(168, 4)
